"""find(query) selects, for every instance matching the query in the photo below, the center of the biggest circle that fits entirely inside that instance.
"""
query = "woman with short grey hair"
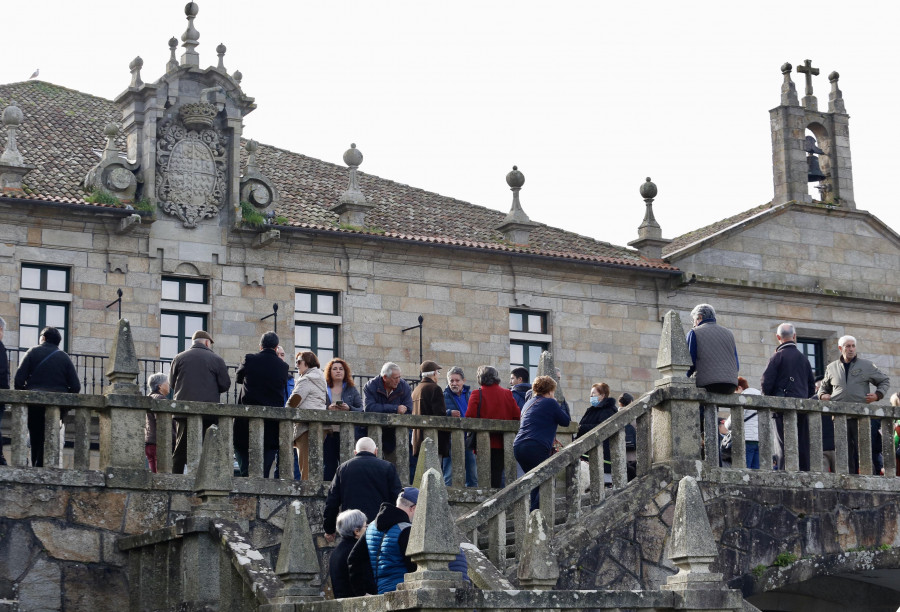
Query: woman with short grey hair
(159, 390)
(351, 525)
(492, 401)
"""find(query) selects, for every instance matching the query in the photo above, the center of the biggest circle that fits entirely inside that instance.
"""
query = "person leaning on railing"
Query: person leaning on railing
(45, 368)
(895, 401)
(492, 401)
(159, 390)
(342, 394)
(308, 394)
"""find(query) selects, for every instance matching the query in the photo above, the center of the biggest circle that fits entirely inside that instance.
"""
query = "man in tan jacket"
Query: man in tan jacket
(849, 379)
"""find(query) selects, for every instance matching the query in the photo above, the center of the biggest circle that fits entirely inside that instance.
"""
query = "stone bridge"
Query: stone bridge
(118, 537)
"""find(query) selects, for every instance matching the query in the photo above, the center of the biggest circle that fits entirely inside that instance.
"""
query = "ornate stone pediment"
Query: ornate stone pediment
(191, 161)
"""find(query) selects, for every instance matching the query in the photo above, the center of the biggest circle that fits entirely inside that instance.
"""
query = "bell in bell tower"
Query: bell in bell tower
(799, 159)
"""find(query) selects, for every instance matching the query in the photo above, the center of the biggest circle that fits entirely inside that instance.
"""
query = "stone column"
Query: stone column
(538, 568)
(122, 422)
(297, 564)
(693, 550)
(432, 542)
(215, 477)
(674, 423)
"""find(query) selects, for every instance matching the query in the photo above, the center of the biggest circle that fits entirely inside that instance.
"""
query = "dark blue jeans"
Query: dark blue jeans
(530, 454)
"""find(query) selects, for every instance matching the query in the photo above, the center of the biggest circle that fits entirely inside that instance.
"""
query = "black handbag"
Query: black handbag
(472, 437)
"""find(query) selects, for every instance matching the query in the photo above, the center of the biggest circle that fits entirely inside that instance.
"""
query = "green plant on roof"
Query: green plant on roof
(759, 570)
(279, 220)
(98, 196)
(143, 205)
(250, 216)
(784, 559)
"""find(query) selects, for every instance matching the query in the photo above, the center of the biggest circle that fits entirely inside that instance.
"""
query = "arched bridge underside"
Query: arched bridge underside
(860, 580)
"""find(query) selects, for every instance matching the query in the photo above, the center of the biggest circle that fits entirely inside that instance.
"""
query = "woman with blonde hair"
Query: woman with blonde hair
(308, 394)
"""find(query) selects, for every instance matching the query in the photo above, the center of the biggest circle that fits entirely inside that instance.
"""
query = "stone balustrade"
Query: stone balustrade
(124, 414)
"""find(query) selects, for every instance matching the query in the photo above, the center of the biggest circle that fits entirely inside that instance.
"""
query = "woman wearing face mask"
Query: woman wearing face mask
(602, 408)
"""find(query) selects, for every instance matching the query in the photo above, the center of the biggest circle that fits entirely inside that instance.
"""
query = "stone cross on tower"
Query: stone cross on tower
(809, 100)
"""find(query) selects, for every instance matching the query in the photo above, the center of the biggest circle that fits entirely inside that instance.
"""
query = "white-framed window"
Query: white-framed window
(528, 338)
(317, 323)
(44, 299)
(184, 309)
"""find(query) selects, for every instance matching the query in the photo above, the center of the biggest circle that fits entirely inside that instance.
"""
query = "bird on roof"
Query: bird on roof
(37, 71)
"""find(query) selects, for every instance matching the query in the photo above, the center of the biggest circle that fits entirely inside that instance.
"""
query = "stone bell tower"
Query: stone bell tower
(798, 160)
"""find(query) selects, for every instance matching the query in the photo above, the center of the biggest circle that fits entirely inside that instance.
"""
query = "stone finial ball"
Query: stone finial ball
(137, 62)
(515, 179)
(238, 75)
(191, 9)
(648, 189)
(220, 49)
(173, 43)
(353, 156)
(834, 76)
(251, 147)
(111, 130)
(786, 68)
(12, 115)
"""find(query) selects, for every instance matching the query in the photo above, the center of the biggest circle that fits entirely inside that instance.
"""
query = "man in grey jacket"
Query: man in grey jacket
(849, 379)
(197, 375)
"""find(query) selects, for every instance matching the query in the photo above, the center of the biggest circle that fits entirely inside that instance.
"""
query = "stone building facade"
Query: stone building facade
(201, 227)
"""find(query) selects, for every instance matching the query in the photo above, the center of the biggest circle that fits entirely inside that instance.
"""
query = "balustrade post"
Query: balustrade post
(164, 442)
(538, 568)
(791, 443)
(509, 459)
(401, 452)
(51, 436)
(286, 450)
(815, 441)
(18, 433)
(675, 423)
(887, 447)
(316, 465)
(864, 445)
(458, 457)
(82, 439)
(256, 448)
(619, 461)
(122, 421)
(841, 462)
(483, 458)
(738, 438)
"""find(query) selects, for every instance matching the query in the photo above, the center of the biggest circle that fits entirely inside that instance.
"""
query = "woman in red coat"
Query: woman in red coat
(496, 402)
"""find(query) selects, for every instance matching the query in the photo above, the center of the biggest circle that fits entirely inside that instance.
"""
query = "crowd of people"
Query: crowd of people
(366, 505)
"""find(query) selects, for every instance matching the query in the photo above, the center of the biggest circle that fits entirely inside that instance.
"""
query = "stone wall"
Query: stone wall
(754, 517)
(603, 322)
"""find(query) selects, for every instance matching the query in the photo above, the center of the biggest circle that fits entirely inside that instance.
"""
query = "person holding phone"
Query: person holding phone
(342, 395)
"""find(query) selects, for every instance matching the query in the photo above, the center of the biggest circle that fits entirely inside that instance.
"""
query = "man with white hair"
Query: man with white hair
(849, 379)
(790, 375)
(390, 394)
(362, 483)
(713, 352)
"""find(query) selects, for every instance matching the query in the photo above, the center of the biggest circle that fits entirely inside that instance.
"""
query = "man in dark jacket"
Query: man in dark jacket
(263, 377)
(518, 384)
(389, 394)
(362, 483)
(197, 375)
(4, 380)
(790, 375)
(428, 400)
(45, 368)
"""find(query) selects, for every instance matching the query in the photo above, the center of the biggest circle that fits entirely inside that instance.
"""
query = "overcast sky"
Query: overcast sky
(587, 98)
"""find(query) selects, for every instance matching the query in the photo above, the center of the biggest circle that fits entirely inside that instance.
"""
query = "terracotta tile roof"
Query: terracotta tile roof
(62, 136)
(714, 228)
